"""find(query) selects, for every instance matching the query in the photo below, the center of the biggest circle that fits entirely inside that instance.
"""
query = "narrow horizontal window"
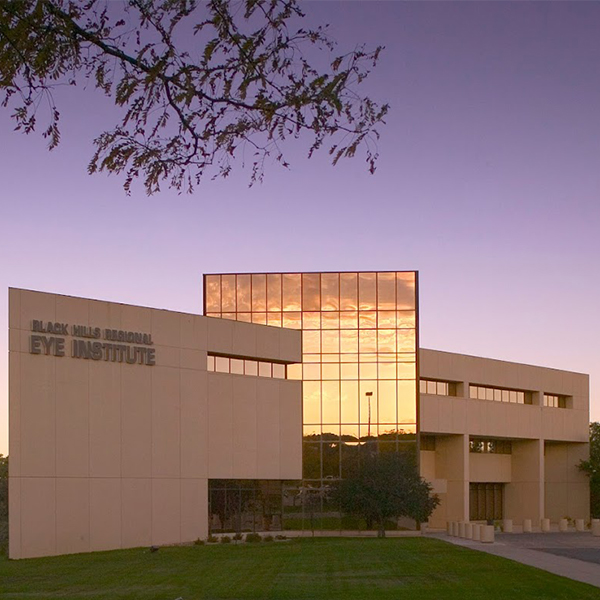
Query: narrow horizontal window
(239, 366)
(437, 387)
(486, 392)
(555, 401)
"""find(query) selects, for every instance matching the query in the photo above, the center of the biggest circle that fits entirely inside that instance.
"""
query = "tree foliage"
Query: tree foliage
(592, 468)
(386, 486)
(199, 83)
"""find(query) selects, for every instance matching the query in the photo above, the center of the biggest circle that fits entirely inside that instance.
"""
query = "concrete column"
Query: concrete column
(524, 495)
(452, 464)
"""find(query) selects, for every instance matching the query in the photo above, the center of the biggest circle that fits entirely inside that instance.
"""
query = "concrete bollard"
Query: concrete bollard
(545, 525)
(563, 525)
(469, 531)
(527, 526)
(579, 525)
(423, 528)
(507, 526)
(453, 528)
(476, 532)
(487, 534)
(449, 527)
(461, 529)
(596, 527)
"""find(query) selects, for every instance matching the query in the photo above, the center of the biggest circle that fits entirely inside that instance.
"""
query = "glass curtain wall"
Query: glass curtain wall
(359, 364)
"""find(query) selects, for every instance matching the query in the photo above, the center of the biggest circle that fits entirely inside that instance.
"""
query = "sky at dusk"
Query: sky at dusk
(488, 183)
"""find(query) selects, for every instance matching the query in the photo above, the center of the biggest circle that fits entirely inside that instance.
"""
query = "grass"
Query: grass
(331, 569)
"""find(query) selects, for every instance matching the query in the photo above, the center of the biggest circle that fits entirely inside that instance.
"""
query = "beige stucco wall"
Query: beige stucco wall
(113, 455)
(541, 475)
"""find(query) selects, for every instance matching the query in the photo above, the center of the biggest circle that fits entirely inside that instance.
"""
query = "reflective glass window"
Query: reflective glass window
(244, 299)
(244, 317)
(407, 410)
(330, 320)
(407, 370)
(367, 340)
(386, 319)
(311, 320)
(330, 371)
(311, 372)
(349, 341)
(312, 401)
(349, 403)
(292, 292)
(386, 340)
(330, 291)
(330, 401)
(292, 320)
(213, 293)
(349, 320)
(228, 293)
(260, 318)
(349, 370)
(273, 292)
(311, 291)
(330, 340)
(210, 363)
(368, 370)
(387, 370)
(274, 319)
(406, 339)
(264, 369)
(367, 291)
(294, 371)
(405, 291)
(386, 399)
(348, 291)
(406, 319)
(311, 342)
(259, 293)
(386, 291)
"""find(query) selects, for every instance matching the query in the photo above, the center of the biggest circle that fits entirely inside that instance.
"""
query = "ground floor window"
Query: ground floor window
(486, 501)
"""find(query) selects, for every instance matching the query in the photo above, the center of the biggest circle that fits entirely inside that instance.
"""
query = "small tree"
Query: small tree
(386, 486)
(592, 468)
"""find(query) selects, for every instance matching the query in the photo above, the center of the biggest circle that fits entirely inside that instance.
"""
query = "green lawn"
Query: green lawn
(323, 569)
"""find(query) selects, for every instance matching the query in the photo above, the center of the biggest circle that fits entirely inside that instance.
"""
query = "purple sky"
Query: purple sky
(488, 184)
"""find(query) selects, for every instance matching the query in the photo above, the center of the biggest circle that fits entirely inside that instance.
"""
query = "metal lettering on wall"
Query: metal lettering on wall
(130, 347)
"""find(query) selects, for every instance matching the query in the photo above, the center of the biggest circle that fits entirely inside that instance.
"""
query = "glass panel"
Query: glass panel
(406, 402)
(349, 320)
(245, 317)
(349, 401)
(423, 386)
(311, 358)
(330, 371)
(406, 340)
(221, 364)
(330, 320)
(294, 372)
(330, 402)
(407, 371)
(278, 371)
(312, 401)
(473, 391)
(406, 319)
(210, 363)
(387, 402)
(368, 370)
(292, 291)
(405, 290)
(311, 320)
(264, 369)
(274, 319)
(505, 396)
(481, 393)
(330, 341)
(228, 293)
(292, 320)
(250, 367)
(349, 341)
(349, 371)
(260, 318)
(259, 293)
(330, 291)
(368, 405)
(489, 394)
(386, 340)
(213, 293)
(311, 291)
(431, 387)
(386, 319)
(311, 372)
(348, 291)
(498, 395)
(367, 291)
(387, 370)
(367, 319)
(243, 293)
(311, 342)
(513, 396)
(230, 316)
(273, 292)
(237, 366)
(215, 315)
(367, 340)
(386, 291)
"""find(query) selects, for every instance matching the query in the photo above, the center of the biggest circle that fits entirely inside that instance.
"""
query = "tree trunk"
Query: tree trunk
(381, 531)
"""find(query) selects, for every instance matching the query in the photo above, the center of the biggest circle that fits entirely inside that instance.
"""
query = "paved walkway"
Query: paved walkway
(572, 555)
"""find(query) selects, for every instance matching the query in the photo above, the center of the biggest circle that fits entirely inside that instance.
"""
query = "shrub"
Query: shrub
(238, 537)
(199, 542)
(281, 537)
(268, 538)
(225, 539)
(212, 539)
(253, 537)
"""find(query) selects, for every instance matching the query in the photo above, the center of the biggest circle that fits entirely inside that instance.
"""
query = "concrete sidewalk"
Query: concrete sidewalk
(579, 570)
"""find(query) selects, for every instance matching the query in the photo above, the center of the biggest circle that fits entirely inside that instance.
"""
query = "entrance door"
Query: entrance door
(486, 501)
